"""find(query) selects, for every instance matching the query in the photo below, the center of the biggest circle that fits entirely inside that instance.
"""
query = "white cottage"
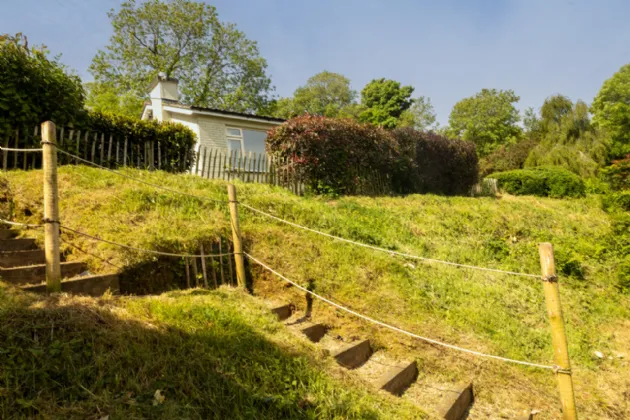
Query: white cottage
(215, 129)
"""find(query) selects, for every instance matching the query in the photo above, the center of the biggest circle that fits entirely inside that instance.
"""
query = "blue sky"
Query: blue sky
(446, 49)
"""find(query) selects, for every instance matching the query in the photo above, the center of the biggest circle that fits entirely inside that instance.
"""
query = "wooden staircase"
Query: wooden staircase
(380, 370)
(23, 264)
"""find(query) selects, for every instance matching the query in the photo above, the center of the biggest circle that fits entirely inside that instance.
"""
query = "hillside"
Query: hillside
(494, 313)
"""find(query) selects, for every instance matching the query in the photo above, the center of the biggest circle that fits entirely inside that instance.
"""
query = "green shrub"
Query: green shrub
(545, 182)
(433, 163)
(623, 276)
(34, 88)
(616, 200)
(176, 140)
(507, 157)
(618, 174)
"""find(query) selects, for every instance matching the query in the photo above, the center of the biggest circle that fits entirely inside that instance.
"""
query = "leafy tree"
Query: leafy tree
(104, 98)
(324, 94)
(420, 116)
(554, 109)
(217, 66)
(531, 123)
(384, 102)
(571, 141)
(34, 87)
(488, 119)
(611, 110)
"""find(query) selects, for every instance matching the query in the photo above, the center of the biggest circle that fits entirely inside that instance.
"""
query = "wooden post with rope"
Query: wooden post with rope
(236, 236)
(558, 335)
(51, 208)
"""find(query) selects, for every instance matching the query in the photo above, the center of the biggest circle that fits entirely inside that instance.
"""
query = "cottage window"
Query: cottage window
(246, 142)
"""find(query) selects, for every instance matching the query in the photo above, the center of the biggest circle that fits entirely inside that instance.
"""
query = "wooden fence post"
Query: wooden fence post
(236, 236)
(558, 335)
(51, 207)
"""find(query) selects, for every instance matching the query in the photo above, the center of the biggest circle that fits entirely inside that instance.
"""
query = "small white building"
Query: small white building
(215, 129)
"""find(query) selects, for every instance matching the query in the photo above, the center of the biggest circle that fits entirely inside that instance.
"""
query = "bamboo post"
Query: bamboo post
(17, 146)
(203, 162)
(109, 151)
(214, 162)
(236, 236)
(214, 270)
(558, 335)
(51, 208)
(221, 260)
(5, 154)
(125, 152)
(195, 273)
(203, 267)
(187, 272)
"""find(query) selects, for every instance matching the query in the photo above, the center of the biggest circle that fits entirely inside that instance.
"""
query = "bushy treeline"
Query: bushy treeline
(35, 88)
(333, 155)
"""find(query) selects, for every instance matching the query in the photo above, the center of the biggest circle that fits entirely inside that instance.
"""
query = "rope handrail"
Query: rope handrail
(18, 224)
(9, 149)
(149, 251)
(389, 251)
(396, 329)
(140, 180)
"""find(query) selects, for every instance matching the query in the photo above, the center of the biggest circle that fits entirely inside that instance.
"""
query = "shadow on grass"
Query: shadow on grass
(75, 359)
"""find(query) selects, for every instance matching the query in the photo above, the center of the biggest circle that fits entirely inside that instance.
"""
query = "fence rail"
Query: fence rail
(105, 149)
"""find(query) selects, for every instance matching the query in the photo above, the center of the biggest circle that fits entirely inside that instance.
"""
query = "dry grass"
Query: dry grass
(498, 314)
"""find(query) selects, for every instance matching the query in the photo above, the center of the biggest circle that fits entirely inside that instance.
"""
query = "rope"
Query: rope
(140, 180)
(400, 330)
(8, 149)
(168, 254)
(20, 224)
(89, 253)
(401, 254)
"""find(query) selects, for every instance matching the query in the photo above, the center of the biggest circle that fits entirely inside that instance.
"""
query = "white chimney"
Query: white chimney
(163, 90)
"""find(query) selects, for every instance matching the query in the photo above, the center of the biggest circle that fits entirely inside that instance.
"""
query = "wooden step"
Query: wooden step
(283, 312)
(457, 402)
(315, 332)
(398, 378)
(354, 355)
(7, 234)
(88, 285)
(21, 258)
(36, 274)
(21, 244)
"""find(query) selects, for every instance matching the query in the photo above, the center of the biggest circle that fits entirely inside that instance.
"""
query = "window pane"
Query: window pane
(234, 145)
(236, 132)
(254, 141)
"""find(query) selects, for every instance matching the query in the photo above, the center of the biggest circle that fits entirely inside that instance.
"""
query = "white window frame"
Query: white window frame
(240, 138)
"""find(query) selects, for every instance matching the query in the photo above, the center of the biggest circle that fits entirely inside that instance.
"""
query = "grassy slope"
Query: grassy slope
(500, 314)
(212, 354)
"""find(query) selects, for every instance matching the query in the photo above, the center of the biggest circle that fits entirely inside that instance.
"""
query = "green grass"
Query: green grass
(496, 313)
(211, 354)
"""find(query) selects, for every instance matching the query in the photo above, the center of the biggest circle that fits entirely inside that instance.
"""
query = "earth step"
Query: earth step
(35, 274)
(7, 234)
(283, 312)
(457, 402)
(21, 244)
(10, 259)
(315, 332)
(398, 378)
(87, 285)
(354, 355)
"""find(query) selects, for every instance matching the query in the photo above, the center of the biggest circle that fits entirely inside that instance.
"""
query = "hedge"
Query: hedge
(332, 155)
(553, 182)
(340, 155)
(433, 163)
(176, 140)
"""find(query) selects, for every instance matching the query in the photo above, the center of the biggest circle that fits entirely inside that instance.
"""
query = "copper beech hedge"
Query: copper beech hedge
(331, 155)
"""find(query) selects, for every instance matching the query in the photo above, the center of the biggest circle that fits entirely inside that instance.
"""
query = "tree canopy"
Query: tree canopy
(34, 87)
(384, 101)
(325, 94)
(216, 64)
(421, 115)
(489, 119)
(570, 139)
(611, 110)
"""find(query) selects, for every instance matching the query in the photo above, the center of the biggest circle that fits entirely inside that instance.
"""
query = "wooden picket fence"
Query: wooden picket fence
(99, 148)
(215, 163)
